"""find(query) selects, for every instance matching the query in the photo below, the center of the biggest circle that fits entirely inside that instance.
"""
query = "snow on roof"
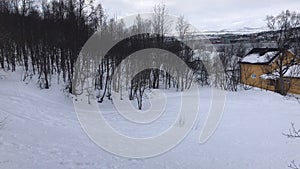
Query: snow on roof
(260, 58)
(293, 71)
(269, 76)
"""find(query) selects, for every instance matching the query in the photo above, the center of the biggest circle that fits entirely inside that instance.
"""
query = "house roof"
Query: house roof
(261, 56)
(293, 71)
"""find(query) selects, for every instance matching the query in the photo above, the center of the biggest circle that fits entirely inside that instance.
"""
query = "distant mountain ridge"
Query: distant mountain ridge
(244, 30)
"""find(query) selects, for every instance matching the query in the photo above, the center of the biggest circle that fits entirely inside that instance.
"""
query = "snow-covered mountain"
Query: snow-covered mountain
(239, 31)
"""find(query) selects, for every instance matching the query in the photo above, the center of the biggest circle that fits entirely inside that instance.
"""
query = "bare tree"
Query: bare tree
(182, 27)
(284, 27)
(139, 85)
(229, 78)
(160, 26)
(293, 132)
(2, 122)
(293, 165)
(160, 22)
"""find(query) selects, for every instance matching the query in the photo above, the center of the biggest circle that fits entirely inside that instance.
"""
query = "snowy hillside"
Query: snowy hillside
(42, 131)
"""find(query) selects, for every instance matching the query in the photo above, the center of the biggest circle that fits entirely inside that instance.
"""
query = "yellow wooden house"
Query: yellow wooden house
(259, 68)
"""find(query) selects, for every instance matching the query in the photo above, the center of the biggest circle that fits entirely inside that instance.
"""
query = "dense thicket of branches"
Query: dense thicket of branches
(149, 78)
(46, 37)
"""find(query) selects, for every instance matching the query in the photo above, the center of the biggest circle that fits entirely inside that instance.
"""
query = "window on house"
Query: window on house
(253, 76)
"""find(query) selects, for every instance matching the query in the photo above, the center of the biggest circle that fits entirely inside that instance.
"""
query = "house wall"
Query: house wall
(268, 84)
(295, 85)
(250, 74)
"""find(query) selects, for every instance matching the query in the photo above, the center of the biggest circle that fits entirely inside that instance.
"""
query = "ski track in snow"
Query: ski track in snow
(42, 132)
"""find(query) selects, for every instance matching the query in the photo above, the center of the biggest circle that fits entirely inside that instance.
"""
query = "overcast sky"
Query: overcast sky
(208, 14)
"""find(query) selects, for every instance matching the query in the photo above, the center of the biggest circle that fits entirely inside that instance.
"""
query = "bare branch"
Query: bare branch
(2, 122)
(293, 165)
(293, 132)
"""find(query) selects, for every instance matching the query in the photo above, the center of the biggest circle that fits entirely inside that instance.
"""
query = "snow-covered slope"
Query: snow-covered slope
(42, 132)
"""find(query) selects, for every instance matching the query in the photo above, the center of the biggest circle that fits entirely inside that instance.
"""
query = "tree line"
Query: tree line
(46, 36)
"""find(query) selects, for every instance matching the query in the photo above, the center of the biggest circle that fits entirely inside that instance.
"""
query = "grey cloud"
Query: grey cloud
(209, 14)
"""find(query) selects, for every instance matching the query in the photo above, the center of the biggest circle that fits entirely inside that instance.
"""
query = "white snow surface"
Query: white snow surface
(42, 132)
(293, 71)
(269, 76)
(256, 58)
